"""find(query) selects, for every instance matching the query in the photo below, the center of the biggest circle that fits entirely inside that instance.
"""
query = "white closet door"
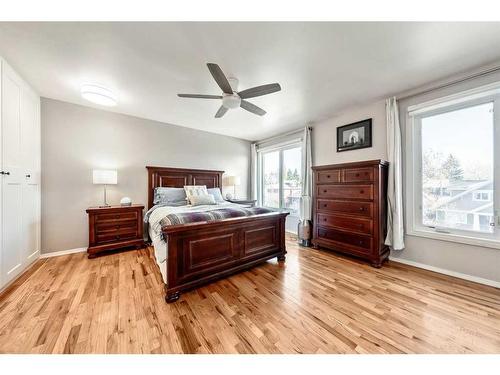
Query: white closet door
(30, 149)
(13, 177)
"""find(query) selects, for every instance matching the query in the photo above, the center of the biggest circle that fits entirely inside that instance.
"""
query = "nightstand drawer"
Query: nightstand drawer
(116, 235)
(106, 226)
(116, 216)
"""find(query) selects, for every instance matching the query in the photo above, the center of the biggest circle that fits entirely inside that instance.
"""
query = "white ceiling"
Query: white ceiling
(322, 67)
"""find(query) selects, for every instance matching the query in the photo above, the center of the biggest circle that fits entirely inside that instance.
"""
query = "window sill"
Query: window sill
(452, 237)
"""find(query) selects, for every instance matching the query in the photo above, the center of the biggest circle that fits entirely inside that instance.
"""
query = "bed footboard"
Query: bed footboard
(200, 253)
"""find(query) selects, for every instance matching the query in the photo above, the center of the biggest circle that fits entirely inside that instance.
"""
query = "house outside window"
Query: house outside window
(452, 146)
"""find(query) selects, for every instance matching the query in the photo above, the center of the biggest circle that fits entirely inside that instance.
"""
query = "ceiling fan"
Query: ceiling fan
(231, 97)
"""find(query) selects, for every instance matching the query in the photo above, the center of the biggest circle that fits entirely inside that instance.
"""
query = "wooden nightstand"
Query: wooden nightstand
(249, 202)
(114, 227)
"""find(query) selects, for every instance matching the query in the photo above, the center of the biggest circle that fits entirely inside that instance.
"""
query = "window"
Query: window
(271, 179)
(451, 148)
(484, 196)
(280, 177)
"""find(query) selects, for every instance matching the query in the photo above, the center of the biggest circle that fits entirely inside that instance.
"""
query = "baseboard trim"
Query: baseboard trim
(444, 271)
(12, 282)
(63, 252)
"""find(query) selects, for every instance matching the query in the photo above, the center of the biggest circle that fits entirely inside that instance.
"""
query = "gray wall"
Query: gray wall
(476, 261)
(324, 136)
(77, 139)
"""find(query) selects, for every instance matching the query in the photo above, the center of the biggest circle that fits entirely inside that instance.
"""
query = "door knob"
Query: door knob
(6, 173)
(28, 175)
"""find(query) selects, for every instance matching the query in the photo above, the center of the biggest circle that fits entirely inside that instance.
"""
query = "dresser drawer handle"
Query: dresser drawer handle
(117, 237)
(328, 176)
(357, 174)
(361, 192)
(361, 242)
(361, 208)
(324, 191)
(325, 205)
(117, 227)
(324, 219)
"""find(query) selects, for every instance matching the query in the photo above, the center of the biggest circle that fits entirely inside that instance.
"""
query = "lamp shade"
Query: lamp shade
(104, 177)
(233, 180)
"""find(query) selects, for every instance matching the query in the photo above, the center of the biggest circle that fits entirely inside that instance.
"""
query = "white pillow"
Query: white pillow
(192, 190)
(198, 200)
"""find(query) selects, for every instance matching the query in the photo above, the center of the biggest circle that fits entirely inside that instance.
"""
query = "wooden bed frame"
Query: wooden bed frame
(199, 253)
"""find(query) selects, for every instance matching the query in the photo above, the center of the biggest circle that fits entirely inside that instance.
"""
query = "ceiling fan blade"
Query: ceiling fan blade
(220, 78)
(252, 108)
(259, 90)
(221, 112)
(199, 96)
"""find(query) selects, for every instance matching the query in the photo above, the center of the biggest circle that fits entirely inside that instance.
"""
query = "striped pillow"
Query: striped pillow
(192, 190)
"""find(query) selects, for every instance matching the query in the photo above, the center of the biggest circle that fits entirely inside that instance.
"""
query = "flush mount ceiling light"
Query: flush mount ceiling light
(98, 95)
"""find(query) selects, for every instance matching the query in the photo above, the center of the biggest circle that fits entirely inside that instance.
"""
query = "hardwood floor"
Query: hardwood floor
(317, 302)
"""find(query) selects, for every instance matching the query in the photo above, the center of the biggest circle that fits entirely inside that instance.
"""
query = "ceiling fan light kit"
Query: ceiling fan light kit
(231, 98)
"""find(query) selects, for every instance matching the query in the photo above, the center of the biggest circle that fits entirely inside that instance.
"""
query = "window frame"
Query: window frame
(413, 163)
(281, 147)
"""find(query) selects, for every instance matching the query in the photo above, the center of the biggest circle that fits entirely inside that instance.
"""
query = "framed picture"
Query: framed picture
(354, 136)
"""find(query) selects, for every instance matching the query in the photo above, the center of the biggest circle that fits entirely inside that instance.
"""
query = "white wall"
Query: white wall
(479, 262)
(77, 139)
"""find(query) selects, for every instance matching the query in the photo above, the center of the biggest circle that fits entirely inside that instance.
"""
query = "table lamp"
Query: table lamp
(233, 181)
(104, 177)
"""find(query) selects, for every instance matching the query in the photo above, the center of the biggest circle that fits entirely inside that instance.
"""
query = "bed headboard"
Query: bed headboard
(179, 177)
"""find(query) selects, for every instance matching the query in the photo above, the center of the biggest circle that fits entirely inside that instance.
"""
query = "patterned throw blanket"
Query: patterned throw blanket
(223, 213)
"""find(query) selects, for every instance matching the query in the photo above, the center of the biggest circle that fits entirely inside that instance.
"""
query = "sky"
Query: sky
(466, 133)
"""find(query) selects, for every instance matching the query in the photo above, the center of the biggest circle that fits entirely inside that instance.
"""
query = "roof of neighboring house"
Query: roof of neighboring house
(475, 186)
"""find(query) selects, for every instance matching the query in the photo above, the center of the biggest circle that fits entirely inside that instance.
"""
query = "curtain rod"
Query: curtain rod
(451, 83)
(281, 135)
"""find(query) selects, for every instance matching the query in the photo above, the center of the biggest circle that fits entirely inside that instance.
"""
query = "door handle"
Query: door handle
(28, 175)
(5, 173)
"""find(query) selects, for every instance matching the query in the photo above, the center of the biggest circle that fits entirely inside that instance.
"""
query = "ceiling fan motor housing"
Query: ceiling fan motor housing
(231, 101)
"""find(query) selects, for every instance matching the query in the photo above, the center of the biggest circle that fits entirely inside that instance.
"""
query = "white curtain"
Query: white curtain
(253, 171)
(305, 199)
(395, 226)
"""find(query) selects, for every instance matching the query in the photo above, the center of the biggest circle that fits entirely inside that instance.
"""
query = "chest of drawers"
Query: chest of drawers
(114, 227)
(349, 211)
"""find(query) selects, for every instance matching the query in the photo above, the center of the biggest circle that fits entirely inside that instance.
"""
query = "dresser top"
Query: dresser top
(356, 164)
